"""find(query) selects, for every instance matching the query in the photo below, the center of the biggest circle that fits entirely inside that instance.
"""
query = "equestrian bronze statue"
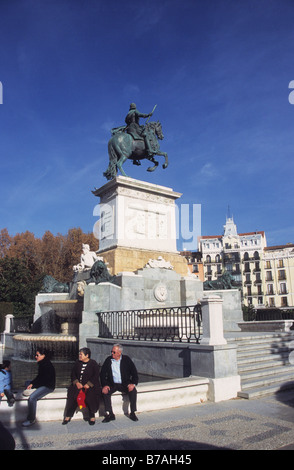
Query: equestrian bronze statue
(135, 142)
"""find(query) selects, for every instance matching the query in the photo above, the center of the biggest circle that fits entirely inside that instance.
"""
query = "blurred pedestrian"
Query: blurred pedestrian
(7, 441)
(6, 383)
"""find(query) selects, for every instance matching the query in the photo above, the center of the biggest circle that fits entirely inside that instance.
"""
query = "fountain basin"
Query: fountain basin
(62, 347)
(68, 310)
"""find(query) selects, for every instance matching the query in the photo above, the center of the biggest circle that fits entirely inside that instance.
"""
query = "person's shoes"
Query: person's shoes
(66, 421)
(28, 423)
(109, 417)
(133, 417)
(92, 422)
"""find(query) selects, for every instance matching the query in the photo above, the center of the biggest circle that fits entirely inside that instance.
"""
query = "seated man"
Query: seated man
(119, 373)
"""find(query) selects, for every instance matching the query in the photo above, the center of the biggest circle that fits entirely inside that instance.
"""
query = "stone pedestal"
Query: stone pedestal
(137, 223)
(212, 320)
(232, 308)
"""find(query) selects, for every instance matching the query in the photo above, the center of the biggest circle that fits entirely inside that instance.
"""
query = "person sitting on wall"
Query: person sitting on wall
(84, 375)
(6, 382)
(118, 373)
(44, 384)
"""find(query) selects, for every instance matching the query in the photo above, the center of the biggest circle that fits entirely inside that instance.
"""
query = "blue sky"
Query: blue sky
(219, 72)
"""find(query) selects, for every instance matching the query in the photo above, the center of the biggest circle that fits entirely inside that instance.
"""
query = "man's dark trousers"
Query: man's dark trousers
(122, 389)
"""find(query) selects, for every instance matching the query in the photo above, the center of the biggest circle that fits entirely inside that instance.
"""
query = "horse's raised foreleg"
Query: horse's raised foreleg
(164, 154)
(152, 168)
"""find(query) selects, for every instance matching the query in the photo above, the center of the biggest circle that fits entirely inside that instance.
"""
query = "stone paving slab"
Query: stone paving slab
(259, 424)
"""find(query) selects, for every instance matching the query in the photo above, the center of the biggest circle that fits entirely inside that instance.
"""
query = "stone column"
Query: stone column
(8, 319)
(212, 320)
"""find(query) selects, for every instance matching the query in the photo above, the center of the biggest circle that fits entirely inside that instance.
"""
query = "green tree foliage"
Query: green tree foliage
(25, 260)
(18, 285)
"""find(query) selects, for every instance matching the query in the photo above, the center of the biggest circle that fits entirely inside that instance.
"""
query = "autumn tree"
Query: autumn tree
(5, 242)
(26, 247)
(25, 260)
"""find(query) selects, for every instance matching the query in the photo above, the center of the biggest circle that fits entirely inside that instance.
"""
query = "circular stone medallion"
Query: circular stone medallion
(160, 292)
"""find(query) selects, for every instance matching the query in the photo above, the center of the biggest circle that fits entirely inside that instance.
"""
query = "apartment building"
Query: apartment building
(278, 267)
(265, 274)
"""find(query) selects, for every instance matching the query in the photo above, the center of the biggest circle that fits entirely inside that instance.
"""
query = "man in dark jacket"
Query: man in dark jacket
(119, 373)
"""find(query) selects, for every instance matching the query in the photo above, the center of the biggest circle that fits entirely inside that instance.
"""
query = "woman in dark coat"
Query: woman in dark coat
(84, 375)
(44, 383)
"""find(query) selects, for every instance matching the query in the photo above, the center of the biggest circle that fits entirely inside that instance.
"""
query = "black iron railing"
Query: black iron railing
(156, 324)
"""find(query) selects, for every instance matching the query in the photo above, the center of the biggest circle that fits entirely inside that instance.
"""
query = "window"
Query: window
(256, 255)
(282, 275)
(258, 278)
(268, 276)
(270, 289)
(208, 259)
(283, 288)
(257, 266)
(268, 265)
(284, 302)
(281, 263)
(247, 267)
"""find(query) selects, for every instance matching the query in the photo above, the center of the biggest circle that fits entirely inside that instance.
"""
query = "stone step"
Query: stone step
(266, 351)
(268, 371)
(259, 341)
(263, 364)
(276, 346)
(265, 380)
(264, 391)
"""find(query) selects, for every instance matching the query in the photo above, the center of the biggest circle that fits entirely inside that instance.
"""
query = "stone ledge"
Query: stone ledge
(151, 396)
(270, 325)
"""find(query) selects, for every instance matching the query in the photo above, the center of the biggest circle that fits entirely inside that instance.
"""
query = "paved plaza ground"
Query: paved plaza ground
(258, 424)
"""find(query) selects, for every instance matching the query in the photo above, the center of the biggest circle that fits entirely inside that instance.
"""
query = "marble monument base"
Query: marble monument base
(122, 259)
(137, 223)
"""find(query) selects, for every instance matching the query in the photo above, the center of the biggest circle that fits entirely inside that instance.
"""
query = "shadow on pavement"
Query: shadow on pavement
(151, 445)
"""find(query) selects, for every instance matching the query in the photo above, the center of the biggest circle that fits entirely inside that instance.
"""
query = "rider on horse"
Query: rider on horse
(134, 129)
(134, 142)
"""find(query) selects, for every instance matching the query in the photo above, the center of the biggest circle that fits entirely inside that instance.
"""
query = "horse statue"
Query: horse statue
(225, 281)
(122, 146)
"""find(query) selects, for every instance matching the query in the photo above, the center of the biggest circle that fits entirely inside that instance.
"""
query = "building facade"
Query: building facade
(278, 266)
(265, 274)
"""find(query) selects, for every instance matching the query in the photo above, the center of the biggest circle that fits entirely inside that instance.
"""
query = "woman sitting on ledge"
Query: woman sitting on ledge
(84, 375)
(44, 384)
